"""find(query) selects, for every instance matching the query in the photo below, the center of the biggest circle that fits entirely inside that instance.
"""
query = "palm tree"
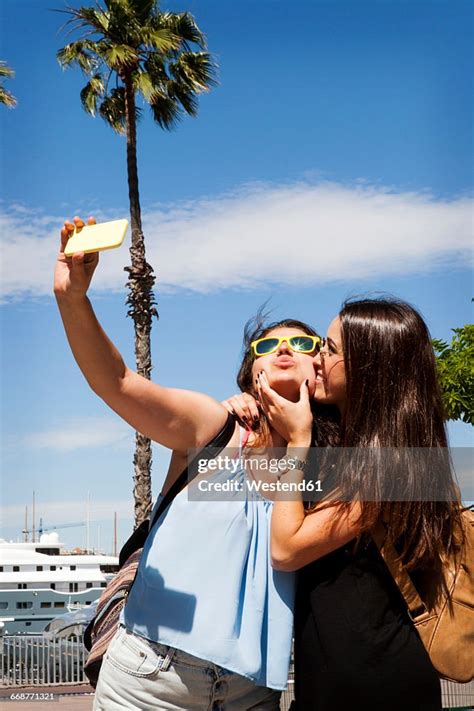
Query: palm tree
(6, 97)
(130, 47)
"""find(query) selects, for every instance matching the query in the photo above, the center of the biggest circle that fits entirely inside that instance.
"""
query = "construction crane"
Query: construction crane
(41, 529)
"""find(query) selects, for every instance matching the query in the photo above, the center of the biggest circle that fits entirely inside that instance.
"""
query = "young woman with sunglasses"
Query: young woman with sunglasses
(208, 622)
(355, 645)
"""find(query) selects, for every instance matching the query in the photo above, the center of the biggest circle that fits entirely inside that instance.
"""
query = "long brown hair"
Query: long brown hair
(325, 417)
(394, 401)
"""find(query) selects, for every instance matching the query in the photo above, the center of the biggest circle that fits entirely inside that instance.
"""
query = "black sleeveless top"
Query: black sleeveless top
(355, 645)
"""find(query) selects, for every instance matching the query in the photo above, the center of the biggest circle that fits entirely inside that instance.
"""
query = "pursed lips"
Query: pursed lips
(284, 361)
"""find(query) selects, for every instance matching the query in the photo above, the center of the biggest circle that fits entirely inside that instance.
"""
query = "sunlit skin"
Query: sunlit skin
(285, 369)
(330, 370)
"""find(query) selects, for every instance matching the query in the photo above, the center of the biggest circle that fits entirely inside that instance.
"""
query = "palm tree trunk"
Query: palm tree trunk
(141, 307)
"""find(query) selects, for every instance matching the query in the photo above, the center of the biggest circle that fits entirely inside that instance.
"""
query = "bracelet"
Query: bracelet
(289, 463)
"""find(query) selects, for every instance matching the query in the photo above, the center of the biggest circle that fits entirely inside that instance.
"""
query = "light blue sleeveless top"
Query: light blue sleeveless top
(205, 585)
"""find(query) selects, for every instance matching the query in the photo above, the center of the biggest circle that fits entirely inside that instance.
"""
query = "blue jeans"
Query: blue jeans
(139, 674)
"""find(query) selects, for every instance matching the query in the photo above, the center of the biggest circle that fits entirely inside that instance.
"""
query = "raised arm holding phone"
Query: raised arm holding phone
(165, 415)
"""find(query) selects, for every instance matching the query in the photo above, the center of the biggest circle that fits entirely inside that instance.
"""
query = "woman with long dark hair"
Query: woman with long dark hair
(355, 644)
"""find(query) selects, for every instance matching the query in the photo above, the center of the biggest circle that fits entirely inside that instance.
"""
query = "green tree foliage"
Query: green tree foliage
(129, 50)
(455, 362)
(6, 98)
(130, 44)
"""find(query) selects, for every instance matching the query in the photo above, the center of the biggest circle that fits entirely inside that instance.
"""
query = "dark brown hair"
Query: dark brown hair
(394, 401)
(325, 417)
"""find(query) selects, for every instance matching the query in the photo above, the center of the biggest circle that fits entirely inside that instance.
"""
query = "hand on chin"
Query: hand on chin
(287, 386)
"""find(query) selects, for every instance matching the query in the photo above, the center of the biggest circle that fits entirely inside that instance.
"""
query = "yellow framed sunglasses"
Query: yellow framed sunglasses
(299, 344)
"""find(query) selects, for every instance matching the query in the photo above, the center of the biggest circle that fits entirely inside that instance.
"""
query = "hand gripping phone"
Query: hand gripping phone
(96, 238)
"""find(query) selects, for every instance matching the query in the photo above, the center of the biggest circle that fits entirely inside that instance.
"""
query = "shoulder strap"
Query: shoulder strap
(415, 604)
(209, 451)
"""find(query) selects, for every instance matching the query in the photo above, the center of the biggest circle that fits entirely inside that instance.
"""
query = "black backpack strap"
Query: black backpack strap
(211, 449)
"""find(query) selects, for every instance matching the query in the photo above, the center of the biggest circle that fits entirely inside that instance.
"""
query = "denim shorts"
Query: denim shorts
(139, 674)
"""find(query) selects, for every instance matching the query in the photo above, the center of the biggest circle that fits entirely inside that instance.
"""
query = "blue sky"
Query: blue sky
(334, 158)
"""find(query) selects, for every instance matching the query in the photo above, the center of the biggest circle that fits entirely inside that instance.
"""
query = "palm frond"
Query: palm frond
(81, 53)
(6, 71)
(155, 65)
(187, 99)
(112, 110)
(165, 110)
(143, 9)
(117, 6)
(119, 56)
(91, 93)
(184, 26)
(196, 70)
(143, 82)
(89, 17)
(124, 27)
(7, 98)
(161, 39)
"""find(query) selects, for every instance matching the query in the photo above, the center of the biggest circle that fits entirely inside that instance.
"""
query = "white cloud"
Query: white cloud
(299, 234)
(80, 433)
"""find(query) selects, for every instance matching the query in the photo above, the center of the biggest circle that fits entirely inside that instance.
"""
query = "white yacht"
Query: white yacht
(39, 581)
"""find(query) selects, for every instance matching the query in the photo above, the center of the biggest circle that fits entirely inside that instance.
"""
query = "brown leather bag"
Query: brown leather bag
(446, 627)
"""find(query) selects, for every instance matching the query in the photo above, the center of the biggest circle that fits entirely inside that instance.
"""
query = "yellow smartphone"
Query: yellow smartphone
(96, 238)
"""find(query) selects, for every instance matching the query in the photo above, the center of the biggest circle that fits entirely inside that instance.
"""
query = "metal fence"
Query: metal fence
(34, 660)
(457, 696)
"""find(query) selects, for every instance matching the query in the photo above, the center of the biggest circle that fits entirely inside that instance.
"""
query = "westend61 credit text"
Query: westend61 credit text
(259, 486)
